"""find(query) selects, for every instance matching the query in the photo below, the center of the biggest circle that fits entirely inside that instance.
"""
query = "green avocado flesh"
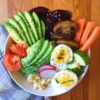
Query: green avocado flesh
(38, 54)
(26, 28)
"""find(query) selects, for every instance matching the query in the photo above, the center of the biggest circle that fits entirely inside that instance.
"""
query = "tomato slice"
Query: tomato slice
(11, 62)
(18, 50)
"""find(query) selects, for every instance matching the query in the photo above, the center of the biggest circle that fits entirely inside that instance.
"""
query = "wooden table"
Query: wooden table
(89, 87)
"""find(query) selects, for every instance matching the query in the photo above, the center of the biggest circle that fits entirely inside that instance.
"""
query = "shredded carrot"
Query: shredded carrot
(91, 39)
(81, 23)
(86, 32)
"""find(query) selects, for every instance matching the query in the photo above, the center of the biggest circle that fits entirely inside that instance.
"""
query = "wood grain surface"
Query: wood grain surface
(89, 87)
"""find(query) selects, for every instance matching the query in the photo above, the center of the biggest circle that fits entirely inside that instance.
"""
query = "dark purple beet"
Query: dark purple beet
(54, 17)
(42, 12)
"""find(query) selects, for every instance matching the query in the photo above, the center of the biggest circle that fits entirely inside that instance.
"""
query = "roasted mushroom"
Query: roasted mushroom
(57, 36)
(71, 43)
(68, 28)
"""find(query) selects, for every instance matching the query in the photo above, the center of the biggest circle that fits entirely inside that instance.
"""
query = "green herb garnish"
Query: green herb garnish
(56, 80)
(70, 80)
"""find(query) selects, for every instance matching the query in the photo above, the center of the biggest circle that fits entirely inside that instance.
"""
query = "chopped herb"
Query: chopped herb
(61, 52)
(56, 80)
(70, 80)
(63, 82)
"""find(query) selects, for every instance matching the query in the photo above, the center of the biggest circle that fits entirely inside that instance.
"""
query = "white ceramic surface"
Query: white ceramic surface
(21, 79)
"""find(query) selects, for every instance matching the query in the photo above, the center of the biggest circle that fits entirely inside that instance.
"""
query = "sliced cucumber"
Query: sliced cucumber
(81, 57)
(76, 68)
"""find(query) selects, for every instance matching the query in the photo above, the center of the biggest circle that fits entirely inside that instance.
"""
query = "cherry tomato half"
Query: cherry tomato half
(11, 62)
(18, 50)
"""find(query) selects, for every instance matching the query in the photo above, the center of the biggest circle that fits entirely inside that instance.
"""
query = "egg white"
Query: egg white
(58, 86)
(64, 65)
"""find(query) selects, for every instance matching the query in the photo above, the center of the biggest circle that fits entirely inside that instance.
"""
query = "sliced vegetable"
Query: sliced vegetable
(76, 68)
(91, 39)
(81, 23)
(81, 58)
(11, 62)
(86, 32)
(49, 73)
(46, 66)
(71, 43)
(18, 50)
(13, 32)
(68, 28)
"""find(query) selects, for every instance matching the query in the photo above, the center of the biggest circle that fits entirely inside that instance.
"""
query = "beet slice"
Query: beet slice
(42, 12)
(54, 17)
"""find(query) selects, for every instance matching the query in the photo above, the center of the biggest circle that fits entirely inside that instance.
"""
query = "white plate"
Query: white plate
(21, 79)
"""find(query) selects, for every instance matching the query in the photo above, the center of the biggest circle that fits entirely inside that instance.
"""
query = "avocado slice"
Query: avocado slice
(43, 50)
(24, 27)
(18, 27)
(32, 24)
(28, 27)
(37, 22)
(34, 69)
(13, 32)
(42, 28)
(49, 50)
(32, 52)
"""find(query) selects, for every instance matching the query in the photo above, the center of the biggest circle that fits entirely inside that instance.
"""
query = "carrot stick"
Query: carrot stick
(81, 23)
(86, 32)
(91, 39)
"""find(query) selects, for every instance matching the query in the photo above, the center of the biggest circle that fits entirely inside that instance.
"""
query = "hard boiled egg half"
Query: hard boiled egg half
(60, 56)
(64, 80)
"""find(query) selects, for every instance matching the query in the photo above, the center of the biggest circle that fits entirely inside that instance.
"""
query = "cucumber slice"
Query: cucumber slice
(81, 57)
(76, 68)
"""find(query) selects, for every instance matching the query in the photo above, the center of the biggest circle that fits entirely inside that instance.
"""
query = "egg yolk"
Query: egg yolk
(62, 55)
(65, 80)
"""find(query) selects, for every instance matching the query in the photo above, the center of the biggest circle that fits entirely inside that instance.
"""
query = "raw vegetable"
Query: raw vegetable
(81, 23)
(81, 58)
(45, 66)
(49, 73)
(18, 50)
(11, 62)
(76, 68)
(91, 39)
(86, 32)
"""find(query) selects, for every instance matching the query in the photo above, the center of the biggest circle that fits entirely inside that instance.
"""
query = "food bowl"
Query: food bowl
(21, 79)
